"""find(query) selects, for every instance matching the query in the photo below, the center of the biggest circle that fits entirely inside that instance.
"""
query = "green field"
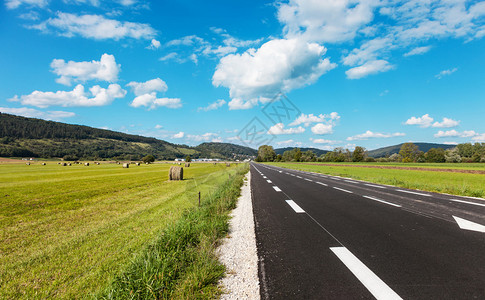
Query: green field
(455, 166)
(443, 182)
(68, 231)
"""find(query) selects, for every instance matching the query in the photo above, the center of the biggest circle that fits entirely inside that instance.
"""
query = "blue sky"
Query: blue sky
(369, 73)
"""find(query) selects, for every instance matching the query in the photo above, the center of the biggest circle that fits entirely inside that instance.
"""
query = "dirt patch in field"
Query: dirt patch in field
(402, 168)
(9, 160)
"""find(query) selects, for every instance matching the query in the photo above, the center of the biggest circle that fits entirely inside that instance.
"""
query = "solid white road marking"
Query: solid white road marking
(369, 279)
(276, 188)
(415, 193)
(382, 201)
(269, 181)
(322, 183)
(376, 186)
(295, 206)
(469, 225)
(467, 202)
(343, 190)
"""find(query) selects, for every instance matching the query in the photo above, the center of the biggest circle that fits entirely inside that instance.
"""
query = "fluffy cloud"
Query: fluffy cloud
(311, 118)
(289, 143)
(34, 113)
(418, 51)
(279, 129)
(369, 134)
(179, 135)
(321, 128)
(369, 68)
(147, 87)
(158, 126)
(454, 133)
(445, 73)
(323, 141)
(11, 4)
(95, 27)
(279, 65)
(479, 138)
(213, 106)
(76, 97)
(446, 123)
(151, 101)
(154, 44)
(424, 121)
(206, 137)
(105, 69)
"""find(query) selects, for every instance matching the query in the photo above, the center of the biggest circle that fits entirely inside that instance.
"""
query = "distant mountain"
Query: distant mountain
(386, 151)
(318, 152)
(29, 137)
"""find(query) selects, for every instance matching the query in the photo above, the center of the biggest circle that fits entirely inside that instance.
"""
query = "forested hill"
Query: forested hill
(317, 152)
(387, 151)
(24, 137)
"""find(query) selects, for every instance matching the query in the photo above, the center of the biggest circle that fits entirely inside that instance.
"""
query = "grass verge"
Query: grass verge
(441, 182)
(181, 263)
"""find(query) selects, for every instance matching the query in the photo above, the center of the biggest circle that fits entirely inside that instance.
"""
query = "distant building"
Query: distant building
(180, 159)
(207, 159)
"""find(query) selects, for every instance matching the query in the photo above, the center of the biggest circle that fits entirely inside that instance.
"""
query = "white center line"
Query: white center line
(350, 181)
(308, 180)
(322, 183)
(335, 178)
(415, 193)
(382, 201)
(295, 206)
(376, 186)
(265, 177)
(299, 177)
(269, 181)
(369, 279)
(467, 202)
(342, 190)
(276, 188)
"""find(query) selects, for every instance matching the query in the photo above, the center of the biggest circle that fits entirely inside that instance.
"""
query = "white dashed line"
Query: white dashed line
(350, 181)
(343, 190)
(369, 279)
(321, 183)
(415, 193)
(276, 188)
(299, 177)
(376, 186)
(308, 180)
(295, 206)
(382, 201)
(269, 181)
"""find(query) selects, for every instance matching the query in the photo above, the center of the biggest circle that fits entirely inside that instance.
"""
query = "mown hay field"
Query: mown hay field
(68, 230)
(455, 183)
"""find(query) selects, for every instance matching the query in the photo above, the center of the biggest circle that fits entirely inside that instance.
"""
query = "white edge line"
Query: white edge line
(373, 185)
(415, 193)
(467, 202)
(277, 189)
(343, 190)
(382, 201)
(369, 279)
(295, 206)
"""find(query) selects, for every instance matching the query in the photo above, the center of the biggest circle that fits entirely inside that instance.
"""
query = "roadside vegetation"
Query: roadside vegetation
(68, 232)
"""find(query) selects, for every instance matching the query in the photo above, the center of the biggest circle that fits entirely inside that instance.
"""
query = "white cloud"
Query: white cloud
(289, 143)
(94, 27)
(323, 141)
(445, 73)
(238, 103)
(321, 128)
(279, 65)
(368, 51)
(213, 106)
(151, 101)
(479, 138)
(454, 133)
(12, 4)
(369, 68)
(450, 143)
(369, 134)
(158, 126)
(154, 44)
(418, 51)
(76, 97)
(34, 113)
(147, 87)
(424, 121)
(105, 69)
(206, 137)
(446, 123)
(311, 118)
(279, 129)
(179, 135)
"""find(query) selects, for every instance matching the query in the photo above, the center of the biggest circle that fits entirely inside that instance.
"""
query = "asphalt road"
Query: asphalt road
(327, 237)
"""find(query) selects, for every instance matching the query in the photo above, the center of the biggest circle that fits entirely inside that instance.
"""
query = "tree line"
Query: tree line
(408, 153)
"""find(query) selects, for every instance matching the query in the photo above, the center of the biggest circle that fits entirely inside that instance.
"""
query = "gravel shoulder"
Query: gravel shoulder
(238, 251)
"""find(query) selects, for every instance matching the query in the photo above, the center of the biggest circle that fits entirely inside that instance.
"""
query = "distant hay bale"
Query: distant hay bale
(69, 164)
(86, 164)
(43, 164)
(117, 162)
(137, 163)
(187, 165)
(63, 164)
(27, 163)
(176, 173)
(125, 165)
(228, 164)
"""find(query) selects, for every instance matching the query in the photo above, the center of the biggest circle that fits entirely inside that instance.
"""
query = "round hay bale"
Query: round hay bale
(137, 163)
(187, 165)
(69, 164)
(43, 164)
(63, 164)
(86, 164)
(27, 163)
(176, 173)
(125, 165)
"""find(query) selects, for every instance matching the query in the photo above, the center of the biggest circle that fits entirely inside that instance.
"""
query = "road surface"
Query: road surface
(327, 237)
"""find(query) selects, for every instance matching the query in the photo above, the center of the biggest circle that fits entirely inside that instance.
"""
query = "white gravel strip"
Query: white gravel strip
(238, 251)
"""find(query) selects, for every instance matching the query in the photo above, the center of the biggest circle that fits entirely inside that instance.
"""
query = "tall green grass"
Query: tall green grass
(462, 184)
(181, 263)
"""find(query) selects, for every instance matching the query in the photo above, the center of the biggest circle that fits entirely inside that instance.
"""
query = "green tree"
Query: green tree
(279, 157)
(358, 154)
(435, 155)
(409, 152)
(266, 153)
(308, 156)
(148, 159)
(297, 154)
(188, 158)
(452, 156)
